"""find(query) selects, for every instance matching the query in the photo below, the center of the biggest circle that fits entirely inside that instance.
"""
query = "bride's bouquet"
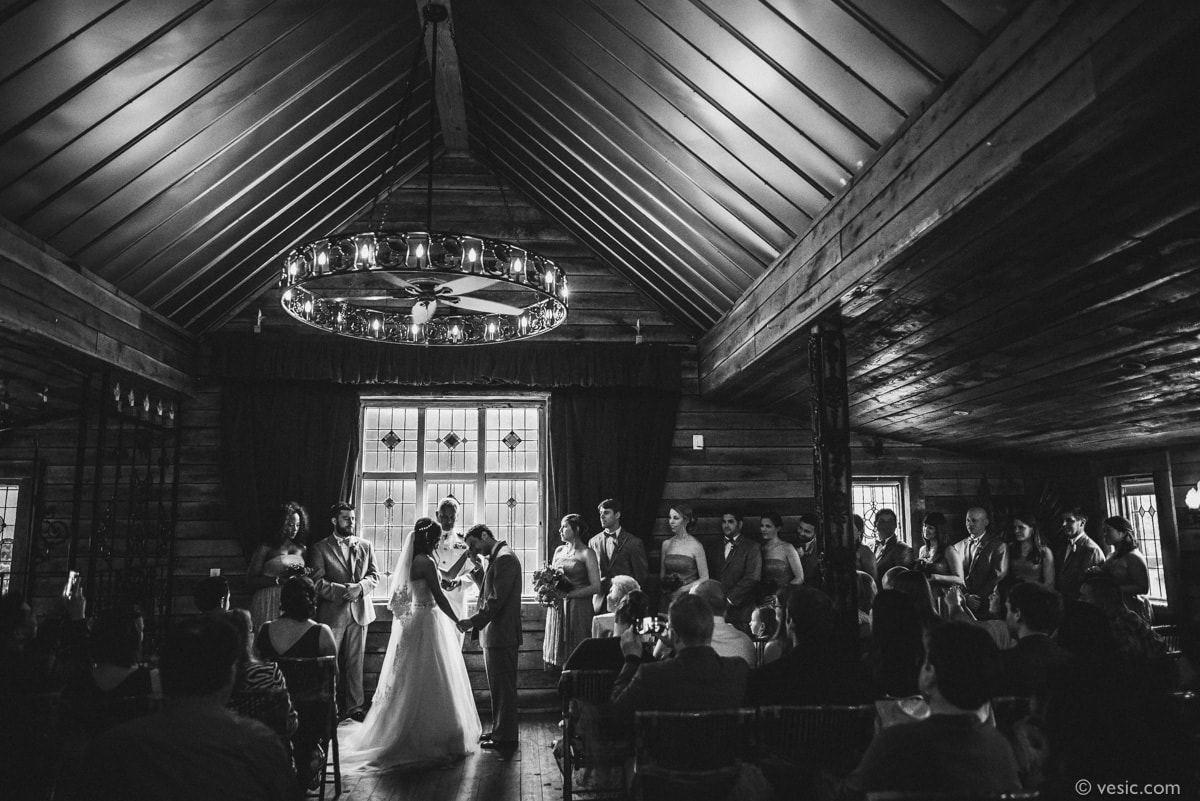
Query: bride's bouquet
(551, 585)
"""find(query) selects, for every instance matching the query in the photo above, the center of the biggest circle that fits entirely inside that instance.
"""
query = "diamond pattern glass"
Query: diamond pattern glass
(868, 497)
(390, 440)
(379, 424)
(511, 440)
(1137, 506)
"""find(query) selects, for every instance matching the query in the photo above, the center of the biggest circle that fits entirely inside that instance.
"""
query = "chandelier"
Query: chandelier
(423, 287)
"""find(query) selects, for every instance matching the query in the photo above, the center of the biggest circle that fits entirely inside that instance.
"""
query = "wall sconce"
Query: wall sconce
(1192, 501)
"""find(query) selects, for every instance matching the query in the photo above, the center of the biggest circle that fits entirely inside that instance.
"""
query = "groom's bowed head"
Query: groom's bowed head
(480, 541)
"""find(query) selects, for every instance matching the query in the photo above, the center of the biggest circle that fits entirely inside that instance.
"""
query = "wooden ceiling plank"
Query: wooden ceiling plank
(912, 188)
(452, 110)
(29, 269)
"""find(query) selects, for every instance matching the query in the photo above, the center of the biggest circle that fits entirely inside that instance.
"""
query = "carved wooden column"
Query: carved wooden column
(831, 469)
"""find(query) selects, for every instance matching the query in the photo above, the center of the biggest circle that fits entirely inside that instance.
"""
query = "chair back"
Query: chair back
(1008, 709)
(833, 737)
(267, 705)
(1172, 636)
(312, 684)
(587, 685)
(691, 745)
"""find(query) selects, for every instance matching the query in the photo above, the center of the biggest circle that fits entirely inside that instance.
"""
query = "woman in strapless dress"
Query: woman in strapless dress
(683, 559)
(569, 622)
(780, 560)
(280, 556)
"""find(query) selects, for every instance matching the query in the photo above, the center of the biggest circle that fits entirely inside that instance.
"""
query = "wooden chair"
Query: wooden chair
(809, 738)
(268, 705)
(1008, 709)
(597, 753)
(906, 795)
(690, 755)
(1172, 635)
(312, 684)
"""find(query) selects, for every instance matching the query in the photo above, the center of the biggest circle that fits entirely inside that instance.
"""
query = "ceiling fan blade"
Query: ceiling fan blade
(399, 282)
(423, 310)
(488, 306)
(466, 285)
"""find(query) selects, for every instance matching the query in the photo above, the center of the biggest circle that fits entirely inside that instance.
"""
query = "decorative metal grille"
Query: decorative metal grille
(1138, 507)
(869, 496)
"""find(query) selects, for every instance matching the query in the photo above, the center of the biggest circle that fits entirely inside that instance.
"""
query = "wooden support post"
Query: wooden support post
(831, 470)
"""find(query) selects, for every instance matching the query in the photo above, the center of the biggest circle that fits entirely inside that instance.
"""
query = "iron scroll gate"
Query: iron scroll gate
(131, 552)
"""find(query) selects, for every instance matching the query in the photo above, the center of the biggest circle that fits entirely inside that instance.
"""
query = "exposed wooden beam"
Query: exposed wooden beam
(1038, 91)
(452, 110)
(44, 300)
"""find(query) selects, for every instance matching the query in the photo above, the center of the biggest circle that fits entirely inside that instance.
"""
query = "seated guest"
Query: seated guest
(726, 640)
(602, 624)
(255, 674)
(763, 625)
(888, 580)
(295, 634)
(917, 587)
(604, 653)
(116, 647)
(193, 748)
(959, 753)
(864, 557)
(957, 610)
(1135, 639)
(212, 594)
(866, 597)
(897, 645)
(1034, 612)
(780, 643)
(697, 679)
(814, 671)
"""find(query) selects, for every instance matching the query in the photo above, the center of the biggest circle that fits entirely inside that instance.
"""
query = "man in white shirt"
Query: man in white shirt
(726, 640)
(978, 562)
(451, 557)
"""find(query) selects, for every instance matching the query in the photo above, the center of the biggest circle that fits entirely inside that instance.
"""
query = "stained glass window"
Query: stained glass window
(1138, 507)
(486, 455)
(8, 531)
(869, 495)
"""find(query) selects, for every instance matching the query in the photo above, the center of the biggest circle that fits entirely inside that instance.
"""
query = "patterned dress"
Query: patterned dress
(569, 622)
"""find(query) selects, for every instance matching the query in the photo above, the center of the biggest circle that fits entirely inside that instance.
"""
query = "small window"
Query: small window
(488, 455)
(9, 492)
(1137, 503)
(869, 495)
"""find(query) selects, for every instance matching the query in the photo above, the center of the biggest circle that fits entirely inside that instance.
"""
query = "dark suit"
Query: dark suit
(694, 681)
(628, 558)
(332, 574)
(499, 623)
(739, 574)
(985, 569)
(1075, 565)
(894, 554)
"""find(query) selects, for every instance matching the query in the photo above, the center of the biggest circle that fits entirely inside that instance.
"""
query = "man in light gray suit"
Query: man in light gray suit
(499, 622)
(345, 574)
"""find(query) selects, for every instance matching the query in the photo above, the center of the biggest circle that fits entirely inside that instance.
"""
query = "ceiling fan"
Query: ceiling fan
(427, 293)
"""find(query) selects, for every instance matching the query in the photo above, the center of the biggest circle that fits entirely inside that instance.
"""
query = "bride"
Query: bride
(423, 713)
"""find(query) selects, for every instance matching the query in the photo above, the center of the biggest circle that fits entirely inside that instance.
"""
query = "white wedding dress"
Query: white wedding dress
(423, 713)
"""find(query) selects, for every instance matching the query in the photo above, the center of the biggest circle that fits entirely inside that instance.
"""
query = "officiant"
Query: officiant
(451, 558)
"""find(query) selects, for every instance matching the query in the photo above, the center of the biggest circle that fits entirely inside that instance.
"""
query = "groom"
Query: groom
(499, 617)
(345, 574)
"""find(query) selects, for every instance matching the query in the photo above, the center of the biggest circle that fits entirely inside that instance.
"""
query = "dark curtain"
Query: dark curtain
(612, 443)
(522, 365)
(284, 441)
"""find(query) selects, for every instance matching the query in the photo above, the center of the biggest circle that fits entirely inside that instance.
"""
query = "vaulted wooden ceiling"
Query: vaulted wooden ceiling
(175, 148)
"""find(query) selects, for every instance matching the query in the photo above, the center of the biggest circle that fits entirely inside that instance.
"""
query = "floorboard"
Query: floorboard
(529, 774)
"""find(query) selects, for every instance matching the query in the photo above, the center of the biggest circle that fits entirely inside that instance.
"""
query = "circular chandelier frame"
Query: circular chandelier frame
(420, 257)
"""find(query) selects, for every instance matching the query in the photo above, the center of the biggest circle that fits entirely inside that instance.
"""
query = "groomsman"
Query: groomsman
(345, 574)
(889, 550)
(619, 551)
(737, 564)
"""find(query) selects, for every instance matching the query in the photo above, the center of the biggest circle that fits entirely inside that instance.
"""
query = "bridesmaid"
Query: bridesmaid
(280, 556)
(569, 622)
(1028, 557)
(781, 562)
(682, 555)
(1127, 566)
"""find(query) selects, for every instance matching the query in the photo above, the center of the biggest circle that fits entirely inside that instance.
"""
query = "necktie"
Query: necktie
(729, 543)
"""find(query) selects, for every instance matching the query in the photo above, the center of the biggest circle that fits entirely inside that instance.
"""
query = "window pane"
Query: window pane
(462, 492)
(511, 508)
(1137, 506)
(389, 440)
(450, 445)
(868, 497)
(8, 532)
(387, 512)
(512, 440)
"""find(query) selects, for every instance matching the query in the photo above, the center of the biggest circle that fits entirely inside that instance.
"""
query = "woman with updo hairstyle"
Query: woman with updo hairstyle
(294, 633)
(683, 561)
(781, 564)
(569, 621)
(278, 557)
(1127, 566)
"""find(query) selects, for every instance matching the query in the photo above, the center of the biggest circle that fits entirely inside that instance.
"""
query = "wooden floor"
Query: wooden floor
(529, 774)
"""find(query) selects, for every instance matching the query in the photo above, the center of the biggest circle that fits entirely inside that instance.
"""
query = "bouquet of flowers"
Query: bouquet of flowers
(293, 565)
(551, 584)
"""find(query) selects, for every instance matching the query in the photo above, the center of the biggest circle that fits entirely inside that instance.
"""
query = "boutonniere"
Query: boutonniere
(460, 546)
(353, 544)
